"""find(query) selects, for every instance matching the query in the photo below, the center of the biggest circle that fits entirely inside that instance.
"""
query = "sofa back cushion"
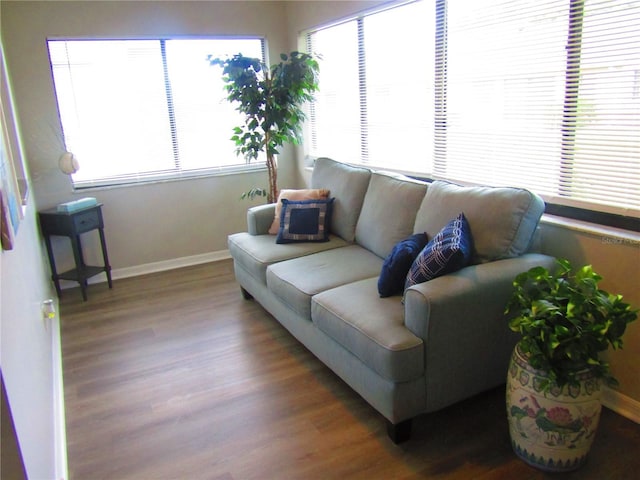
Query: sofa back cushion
(502, 220)
(347, 185)
(389, 211)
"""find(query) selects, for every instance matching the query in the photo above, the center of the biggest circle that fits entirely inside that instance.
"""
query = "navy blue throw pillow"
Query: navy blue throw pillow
(397, 264)
(448, 251)
(305, 221)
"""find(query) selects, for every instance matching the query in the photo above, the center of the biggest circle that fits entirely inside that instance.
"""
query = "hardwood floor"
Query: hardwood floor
(175, 376)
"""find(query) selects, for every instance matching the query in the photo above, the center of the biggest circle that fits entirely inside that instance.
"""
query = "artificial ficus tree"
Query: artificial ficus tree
(271, 100)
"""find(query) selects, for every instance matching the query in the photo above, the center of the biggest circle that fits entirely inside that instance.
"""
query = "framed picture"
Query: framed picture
(11, 205)
(6, 231)
(13, 184)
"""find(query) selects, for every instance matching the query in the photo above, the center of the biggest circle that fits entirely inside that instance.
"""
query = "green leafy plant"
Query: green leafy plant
(566, 321)
(271, 100)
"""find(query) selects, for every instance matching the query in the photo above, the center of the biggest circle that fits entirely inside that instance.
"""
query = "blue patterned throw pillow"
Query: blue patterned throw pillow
(305, 221)
(397, 264)
(448, 251)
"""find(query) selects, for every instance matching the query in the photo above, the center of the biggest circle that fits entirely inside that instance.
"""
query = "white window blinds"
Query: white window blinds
(602, 161)
(335, 114)
(542, 94)
(135, 110)
(502, 117)
(376, 88)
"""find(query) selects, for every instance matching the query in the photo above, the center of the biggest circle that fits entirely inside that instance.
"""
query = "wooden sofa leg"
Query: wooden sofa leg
(399, 432)
(246, 295)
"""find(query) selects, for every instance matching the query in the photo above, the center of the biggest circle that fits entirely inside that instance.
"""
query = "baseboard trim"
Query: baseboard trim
(59, 422)
(168, 265)
(155, 267)
(621, 404)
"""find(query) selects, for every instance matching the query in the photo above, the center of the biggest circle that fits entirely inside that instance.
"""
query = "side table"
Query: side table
(72, 225)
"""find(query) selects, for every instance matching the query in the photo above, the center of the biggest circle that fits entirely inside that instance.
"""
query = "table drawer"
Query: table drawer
(85, 221)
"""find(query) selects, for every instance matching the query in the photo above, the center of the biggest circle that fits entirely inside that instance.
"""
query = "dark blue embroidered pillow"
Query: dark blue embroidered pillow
(448, 251)
(305, 221)
(397, 264)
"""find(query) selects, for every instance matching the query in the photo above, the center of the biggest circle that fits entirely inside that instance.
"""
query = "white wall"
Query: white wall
(152, 223)
(160, 222)
(615, 255)
(148, 224)
(29, 346)
(28, 349)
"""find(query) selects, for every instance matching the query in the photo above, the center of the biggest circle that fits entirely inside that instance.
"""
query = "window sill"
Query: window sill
(611, 235)
(105, 185)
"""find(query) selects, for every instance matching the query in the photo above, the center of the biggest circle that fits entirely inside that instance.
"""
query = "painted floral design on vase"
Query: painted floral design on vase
(552, 431)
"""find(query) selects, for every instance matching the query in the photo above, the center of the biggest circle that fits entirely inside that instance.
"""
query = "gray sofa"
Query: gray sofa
(444, 340)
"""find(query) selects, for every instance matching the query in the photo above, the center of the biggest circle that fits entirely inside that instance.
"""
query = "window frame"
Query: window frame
(577, 209)
(160, 175)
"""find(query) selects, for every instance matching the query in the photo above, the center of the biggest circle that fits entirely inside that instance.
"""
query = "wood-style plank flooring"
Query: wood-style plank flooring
(174, 376)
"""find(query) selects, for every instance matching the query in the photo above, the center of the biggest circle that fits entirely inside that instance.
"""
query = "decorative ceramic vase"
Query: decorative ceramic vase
(552, 431)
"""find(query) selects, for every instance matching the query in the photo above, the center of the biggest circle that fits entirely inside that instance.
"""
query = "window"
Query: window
(136, 110)
(376, 93)
(501, 120)
(539, 94)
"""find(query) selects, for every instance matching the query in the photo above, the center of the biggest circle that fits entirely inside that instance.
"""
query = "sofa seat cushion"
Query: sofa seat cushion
(371, 328)
(295, 281)
(256, 252)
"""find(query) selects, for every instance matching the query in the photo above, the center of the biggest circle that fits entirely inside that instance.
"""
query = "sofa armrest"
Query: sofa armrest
(460, 317)
(260, 218)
